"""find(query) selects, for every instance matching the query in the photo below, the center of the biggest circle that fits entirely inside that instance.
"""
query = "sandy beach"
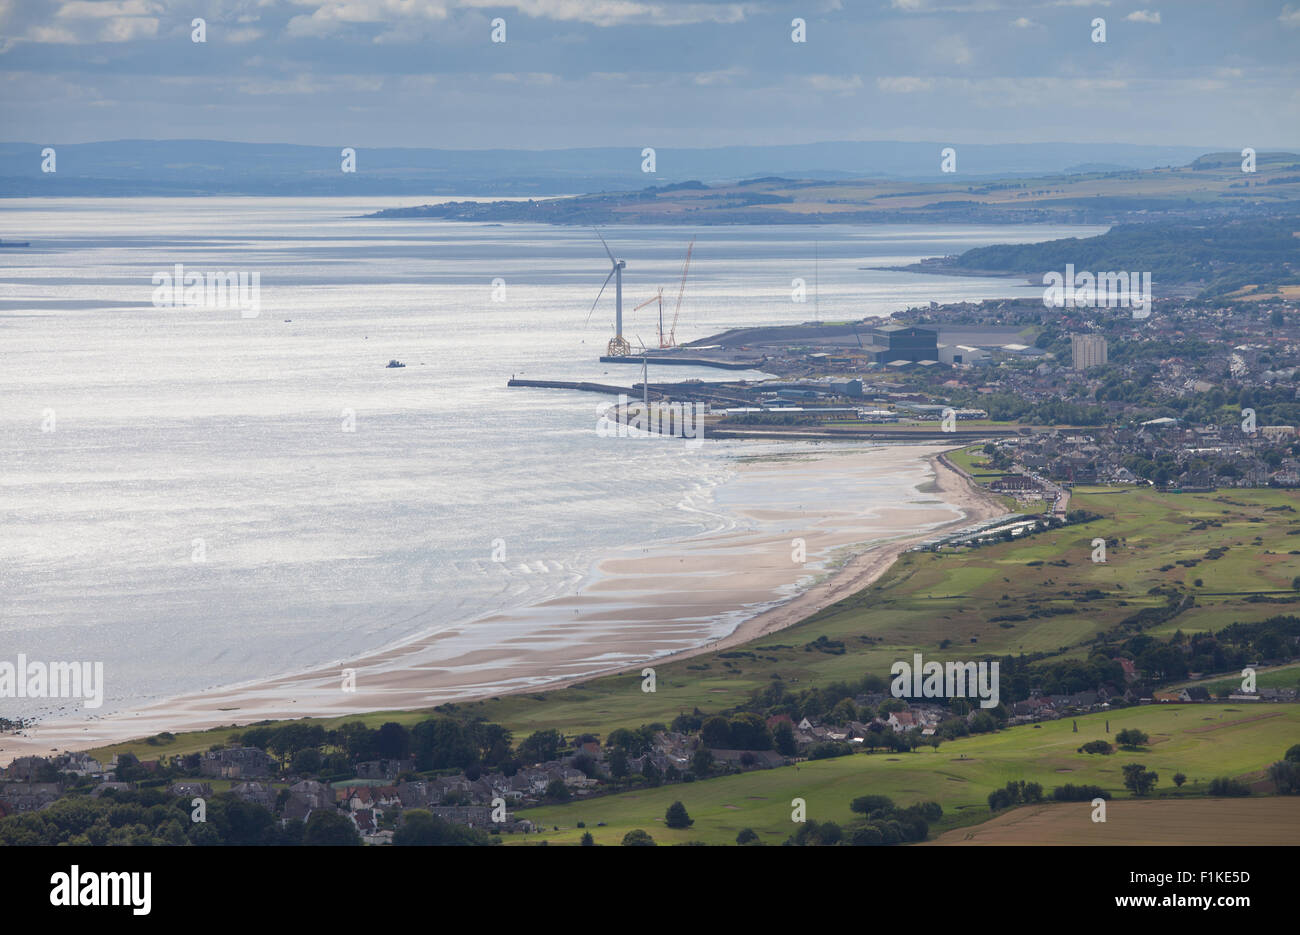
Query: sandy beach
(664, 602)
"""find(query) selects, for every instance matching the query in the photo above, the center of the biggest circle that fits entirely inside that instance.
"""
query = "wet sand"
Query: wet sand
(666, 602)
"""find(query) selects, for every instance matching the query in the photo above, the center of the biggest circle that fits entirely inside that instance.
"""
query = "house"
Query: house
(191, 789)
(28, 796)
(259, 793)
(110, 786)
(385, 769)
(25, 768)
(414, 794)
(81, 764)
(364, 819)
(237, 763)
(476, 816)
(750, 759)
(902, 721)
(305, 797)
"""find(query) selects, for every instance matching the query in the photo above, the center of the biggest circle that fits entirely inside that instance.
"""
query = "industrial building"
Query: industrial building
(893, 343)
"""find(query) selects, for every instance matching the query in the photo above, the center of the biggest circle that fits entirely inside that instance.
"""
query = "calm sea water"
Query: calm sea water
(198, 515)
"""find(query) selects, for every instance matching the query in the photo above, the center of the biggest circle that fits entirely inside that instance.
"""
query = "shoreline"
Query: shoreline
(645, 604)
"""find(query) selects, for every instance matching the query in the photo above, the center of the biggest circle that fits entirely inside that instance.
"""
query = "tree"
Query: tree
(557, 791)
(702, 762)
(1138, 779)
(1286, 776)
(541, 746)
(870, 805)
(676, 816)
(1179, 779)
(328, 827)
(420, 828)
(618, 767)
(783, 738)
(393, 741)
(307, 762)
(716, 732)
(586, 764)
(588, 840)
(1132, 737)
(747, 836)
(638, 838)
(1227, 786)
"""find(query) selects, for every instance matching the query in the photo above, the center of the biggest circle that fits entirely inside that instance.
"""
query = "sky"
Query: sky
(1223, 75)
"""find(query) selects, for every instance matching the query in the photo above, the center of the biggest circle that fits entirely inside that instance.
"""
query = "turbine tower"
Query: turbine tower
(618, 345)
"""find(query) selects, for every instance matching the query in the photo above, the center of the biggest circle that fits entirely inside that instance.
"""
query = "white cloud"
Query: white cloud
(722, 76)
(833, 82)
(312, 84)
(1289, 17)
(952, 49)
(1144, 16)
(903, 84)
(1023, 22)
(83, 9)
(620, 12)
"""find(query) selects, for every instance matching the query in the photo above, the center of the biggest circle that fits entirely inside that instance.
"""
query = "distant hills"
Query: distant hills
(210, 167)
(1211, 186)
(1220, 258)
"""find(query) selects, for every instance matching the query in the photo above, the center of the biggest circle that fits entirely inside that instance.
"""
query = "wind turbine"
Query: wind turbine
(618, 346)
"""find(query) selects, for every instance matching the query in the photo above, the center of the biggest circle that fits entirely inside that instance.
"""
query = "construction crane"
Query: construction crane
(660, 297)
(672, 331)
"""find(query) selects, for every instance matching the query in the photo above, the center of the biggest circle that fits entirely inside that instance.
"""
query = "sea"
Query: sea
(203, 495)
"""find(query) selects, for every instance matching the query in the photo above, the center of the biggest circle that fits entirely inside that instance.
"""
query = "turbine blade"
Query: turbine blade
(606, 246)
(599, 294)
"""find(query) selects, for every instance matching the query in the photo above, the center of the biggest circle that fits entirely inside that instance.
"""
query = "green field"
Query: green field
(1201, 741)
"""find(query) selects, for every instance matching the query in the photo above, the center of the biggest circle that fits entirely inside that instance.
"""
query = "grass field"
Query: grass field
(1278, 677)
(1201, 741)
(1188, 822)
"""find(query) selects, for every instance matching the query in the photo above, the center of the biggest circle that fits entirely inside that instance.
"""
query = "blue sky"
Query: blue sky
(651, 72)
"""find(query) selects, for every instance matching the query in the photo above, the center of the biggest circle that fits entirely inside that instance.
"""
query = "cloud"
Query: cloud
(833, 82)
(1144, 16)
(903, 84)
(722, 76)
(333, 16)
(83, 9)
(1289, 17)
(952, 49)
(312, 84)
(619, 12)
(1023, 22)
